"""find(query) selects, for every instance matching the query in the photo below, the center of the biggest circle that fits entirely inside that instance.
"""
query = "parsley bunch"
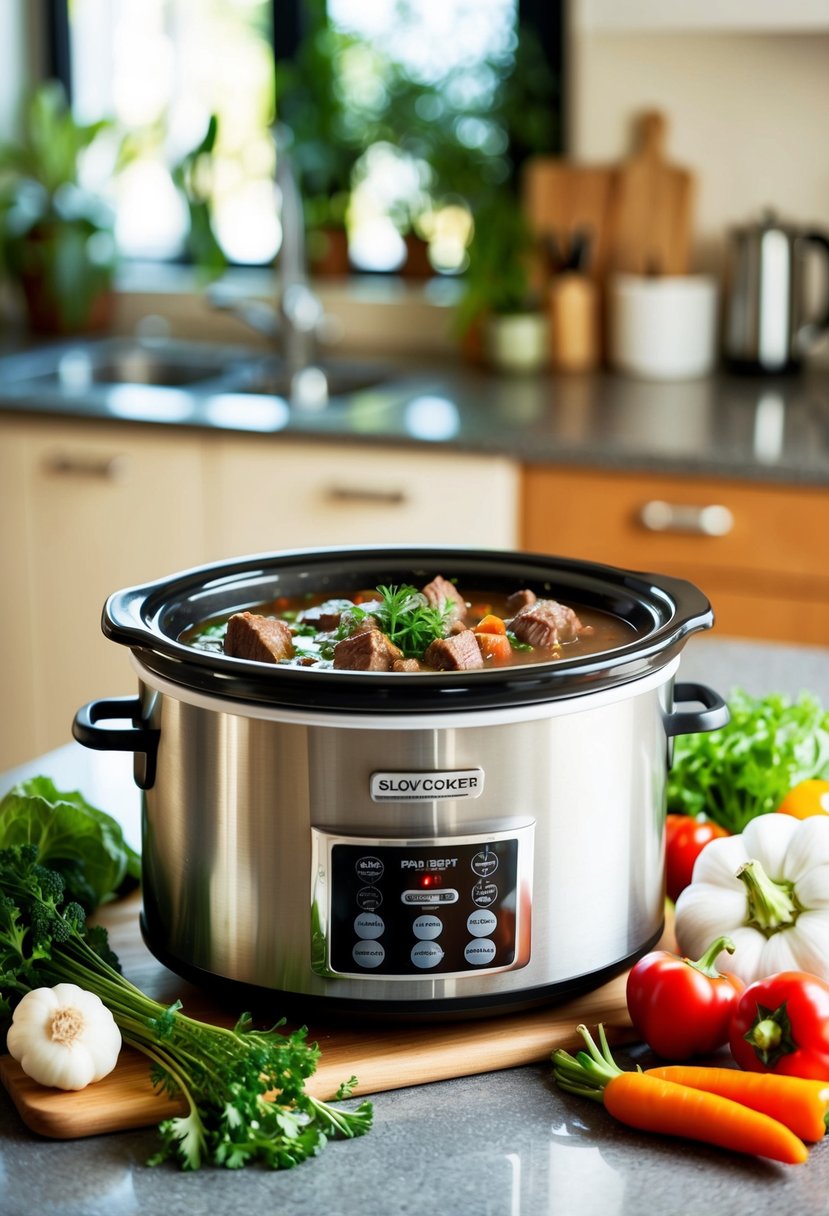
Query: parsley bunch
(408, 619)
(745, 768)
(244, 1088)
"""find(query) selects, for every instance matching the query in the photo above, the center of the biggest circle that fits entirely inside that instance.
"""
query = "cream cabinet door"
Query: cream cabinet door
(282, 494)
(100, 507)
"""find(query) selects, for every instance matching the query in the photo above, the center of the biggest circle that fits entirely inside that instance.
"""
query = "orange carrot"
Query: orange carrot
(801, 1104)
(491, 624)
(494, 646)
(654, 1105)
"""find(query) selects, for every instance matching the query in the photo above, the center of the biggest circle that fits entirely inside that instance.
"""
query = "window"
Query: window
(161, 68)
(399, 113)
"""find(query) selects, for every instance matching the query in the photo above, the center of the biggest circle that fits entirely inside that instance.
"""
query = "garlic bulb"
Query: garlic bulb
(64, 1037)
(768, 890)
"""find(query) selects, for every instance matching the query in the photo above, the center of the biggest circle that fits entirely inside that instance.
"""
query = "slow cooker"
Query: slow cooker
(402, 843)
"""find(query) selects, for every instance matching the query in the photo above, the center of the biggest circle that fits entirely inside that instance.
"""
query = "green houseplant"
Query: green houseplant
(56, 238)
(499, 315)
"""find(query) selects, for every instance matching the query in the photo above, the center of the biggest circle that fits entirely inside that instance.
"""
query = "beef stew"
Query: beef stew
(401, 628)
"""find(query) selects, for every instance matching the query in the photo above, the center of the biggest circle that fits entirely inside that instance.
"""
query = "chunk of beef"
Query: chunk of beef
(407, 665)
(263, 638)
(324, 617)
(441, 592)
(546, 623)
(457, 653)
(521, 599)
(366, 650)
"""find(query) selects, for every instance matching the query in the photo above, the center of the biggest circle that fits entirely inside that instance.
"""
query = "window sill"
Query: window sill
(374, 313)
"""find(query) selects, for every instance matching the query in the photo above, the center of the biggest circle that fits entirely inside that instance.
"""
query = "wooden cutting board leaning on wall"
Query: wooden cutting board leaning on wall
(639, 212)
(651, 208)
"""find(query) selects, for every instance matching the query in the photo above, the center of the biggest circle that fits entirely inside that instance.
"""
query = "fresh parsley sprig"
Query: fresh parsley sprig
(408, 619)
(244, 1088)
(745, 768)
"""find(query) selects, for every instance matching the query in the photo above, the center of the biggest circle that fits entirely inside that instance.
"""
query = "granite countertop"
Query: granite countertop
(498, 1144)
(773, 429)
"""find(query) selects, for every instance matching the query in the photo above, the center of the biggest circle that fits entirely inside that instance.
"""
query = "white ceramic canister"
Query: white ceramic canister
(663, 328)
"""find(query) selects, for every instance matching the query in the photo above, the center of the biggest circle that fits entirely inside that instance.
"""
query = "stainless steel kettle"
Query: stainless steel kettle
(766, 327)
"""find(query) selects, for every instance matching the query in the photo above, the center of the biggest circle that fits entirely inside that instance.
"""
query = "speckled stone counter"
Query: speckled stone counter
(498, 1144)
(763, 429)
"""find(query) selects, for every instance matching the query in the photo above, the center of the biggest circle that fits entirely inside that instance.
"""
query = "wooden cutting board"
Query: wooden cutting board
(639, 211)
(562, 199)
(383, 1057)
(650, 211)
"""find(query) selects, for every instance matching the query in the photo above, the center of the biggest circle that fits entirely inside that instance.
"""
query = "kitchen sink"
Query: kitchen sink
(152, 376)
(326, 381)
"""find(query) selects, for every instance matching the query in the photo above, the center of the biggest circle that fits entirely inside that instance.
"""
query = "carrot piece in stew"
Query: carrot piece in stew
(651, 1104)
(491, 624)
(801, 1104)
(494, 646)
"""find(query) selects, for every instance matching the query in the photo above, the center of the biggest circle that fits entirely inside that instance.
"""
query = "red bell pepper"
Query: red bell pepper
(781, 1025)
(682, 1007)
(685, 838)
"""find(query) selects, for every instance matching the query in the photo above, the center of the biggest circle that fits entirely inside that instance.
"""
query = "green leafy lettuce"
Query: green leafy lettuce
(84, 845)
(745, 769)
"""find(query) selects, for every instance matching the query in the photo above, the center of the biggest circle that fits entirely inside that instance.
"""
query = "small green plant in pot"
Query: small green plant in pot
(56, 238)
(499, 305)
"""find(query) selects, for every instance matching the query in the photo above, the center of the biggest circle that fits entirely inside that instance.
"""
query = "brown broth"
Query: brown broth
(314, 648)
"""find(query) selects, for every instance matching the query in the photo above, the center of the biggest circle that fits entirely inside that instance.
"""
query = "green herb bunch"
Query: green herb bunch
(406, 617)
(746, 768)
(244, 1088)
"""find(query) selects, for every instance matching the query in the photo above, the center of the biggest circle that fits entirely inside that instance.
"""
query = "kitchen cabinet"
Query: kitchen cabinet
(755, 550)
(90, 508)
(276, 496)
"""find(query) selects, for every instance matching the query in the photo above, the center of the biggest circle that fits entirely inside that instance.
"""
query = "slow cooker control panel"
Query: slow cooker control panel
(406, 909)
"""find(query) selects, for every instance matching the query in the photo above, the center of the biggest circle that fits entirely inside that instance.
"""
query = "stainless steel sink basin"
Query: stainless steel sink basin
(326, 381)
(114, 374)
(135, 365)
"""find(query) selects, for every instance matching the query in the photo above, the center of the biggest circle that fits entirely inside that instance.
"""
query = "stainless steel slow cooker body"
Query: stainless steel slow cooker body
(429, 843)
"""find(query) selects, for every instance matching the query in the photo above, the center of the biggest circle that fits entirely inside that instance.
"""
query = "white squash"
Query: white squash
(64, 1037)
(768, 890)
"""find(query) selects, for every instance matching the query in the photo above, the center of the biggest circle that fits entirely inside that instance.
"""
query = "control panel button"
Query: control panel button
(368, 954)
(481, 924)
(479, 952)
(445, 896)
(369, 898)
(426, 955)
(369, 926)
(484, 864)
(369, 869)
(427, 927)
(484, 893)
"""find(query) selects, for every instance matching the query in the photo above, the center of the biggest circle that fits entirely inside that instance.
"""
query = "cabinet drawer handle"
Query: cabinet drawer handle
(712, 520)
(104, 468)
(360, 494)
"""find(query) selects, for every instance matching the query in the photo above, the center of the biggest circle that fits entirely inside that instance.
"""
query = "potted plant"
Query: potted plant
(500, 313)
(56, 238)
(326, 139)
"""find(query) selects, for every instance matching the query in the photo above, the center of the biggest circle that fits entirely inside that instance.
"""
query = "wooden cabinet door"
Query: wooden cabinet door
(105, 507)
(270, 496)
(759, 552)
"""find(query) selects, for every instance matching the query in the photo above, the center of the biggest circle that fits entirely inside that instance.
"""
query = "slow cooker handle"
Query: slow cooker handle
(141, 739)
(694, 721)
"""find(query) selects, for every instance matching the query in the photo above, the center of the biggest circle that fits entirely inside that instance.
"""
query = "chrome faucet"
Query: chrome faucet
(297, 321)
(300, 311)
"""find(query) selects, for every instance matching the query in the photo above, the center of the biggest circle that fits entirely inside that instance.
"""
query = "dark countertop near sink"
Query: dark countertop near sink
(772, 429)
(499, 1144)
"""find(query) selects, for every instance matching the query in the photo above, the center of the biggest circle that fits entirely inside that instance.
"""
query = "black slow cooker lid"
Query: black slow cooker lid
(150, 619)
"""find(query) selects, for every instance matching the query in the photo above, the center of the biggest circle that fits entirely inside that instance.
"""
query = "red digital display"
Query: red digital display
(430, 880)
